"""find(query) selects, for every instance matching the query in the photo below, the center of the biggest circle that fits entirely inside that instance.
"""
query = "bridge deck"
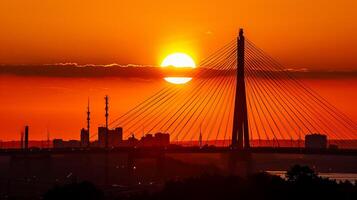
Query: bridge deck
(10, 152)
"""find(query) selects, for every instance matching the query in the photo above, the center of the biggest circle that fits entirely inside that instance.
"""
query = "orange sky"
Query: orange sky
(59, 104)
(314, 34)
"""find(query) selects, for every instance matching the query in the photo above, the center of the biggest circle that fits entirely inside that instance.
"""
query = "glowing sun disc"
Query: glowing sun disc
(178, 60)
(178, 80)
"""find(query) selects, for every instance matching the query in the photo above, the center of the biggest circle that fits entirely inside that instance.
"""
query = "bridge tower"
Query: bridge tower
(240, 134)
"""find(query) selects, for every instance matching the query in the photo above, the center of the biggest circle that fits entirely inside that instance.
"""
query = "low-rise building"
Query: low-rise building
(316, 141)
(159, 139)
(59, 144)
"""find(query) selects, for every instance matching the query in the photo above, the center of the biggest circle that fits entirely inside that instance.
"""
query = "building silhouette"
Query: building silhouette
(115, 136)
(159, 139)
(316, 141)
(132, 141)
(61, 144)
(84, 137)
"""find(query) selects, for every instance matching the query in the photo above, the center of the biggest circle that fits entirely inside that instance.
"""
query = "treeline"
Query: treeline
(301, 183)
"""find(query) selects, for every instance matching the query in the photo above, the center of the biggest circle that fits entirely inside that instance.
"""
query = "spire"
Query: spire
(106, 119)
(88, 117)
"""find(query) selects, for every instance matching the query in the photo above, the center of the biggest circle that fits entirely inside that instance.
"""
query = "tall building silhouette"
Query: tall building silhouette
(110, 137)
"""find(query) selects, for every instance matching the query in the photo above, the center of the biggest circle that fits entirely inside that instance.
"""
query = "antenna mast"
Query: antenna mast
(106, 119)
(88, 117)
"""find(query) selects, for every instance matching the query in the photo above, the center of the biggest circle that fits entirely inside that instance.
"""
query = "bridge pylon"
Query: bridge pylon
(240, 131)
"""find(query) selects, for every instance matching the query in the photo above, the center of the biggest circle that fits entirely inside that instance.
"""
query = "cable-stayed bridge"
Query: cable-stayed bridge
(240, 97)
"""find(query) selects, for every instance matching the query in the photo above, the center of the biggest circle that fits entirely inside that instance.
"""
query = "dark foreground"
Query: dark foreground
(301, 183)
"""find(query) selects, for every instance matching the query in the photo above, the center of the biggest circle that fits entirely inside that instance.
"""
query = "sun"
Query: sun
(178, 60)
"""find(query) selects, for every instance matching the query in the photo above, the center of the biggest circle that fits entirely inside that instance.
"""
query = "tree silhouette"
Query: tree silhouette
(301, 183)
(299, 173)
(74, 191)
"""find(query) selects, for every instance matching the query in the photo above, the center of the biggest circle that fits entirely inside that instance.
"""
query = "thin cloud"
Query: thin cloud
(151, 72)
(87, 70)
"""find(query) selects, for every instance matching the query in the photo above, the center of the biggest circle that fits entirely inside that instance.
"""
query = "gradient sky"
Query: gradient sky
(314, 34)
(58, 104)
(318, 35)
